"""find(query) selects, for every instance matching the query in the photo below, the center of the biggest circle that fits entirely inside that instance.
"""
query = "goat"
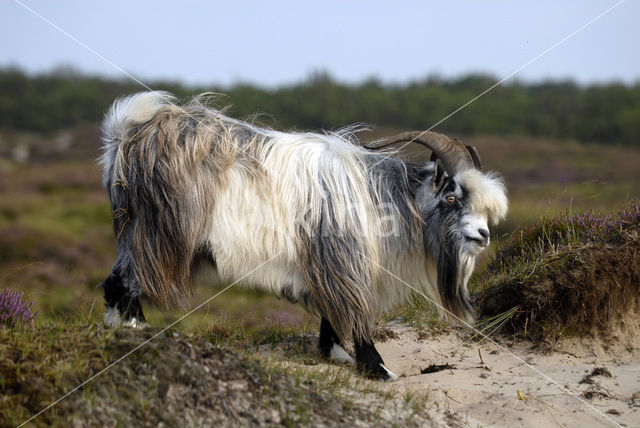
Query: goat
(315, 218)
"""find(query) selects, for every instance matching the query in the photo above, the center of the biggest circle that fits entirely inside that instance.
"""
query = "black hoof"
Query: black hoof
(369, 362)
(379, 372)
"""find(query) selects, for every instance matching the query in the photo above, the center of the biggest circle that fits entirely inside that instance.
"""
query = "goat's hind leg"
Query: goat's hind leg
(370, 362)
(330, 344)
(122, 308)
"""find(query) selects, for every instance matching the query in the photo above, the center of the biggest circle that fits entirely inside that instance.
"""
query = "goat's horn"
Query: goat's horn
(475, 156)
(454, 155)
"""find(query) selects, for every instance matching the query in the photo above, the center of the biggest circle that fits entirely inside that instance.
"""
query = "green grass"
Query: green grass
(41, 363)
(419, 313)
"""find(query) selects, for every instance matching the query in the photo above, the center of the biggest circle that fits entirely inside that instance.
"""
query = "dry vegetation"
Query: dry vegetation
(569, 275)
(174, 379)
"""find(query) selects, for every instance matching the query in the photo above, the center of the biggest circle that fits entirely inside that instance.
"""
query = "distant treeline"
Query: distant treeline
(604, 113)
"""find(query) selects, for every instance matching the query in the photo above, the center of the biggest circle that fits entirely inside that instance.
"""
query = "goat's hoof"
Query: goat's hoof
(134, 323)
(112, 318)
(389, 376)
(339, 355)
(381, 373)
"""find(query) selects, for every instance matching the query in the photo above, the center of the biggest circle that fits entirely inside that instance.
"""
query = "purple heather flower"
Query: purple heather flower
(557, 232)
(14, 310)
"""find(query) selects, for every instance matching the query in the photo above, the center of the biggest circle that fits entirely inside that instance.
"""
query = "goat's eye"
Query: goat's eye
(451, 199)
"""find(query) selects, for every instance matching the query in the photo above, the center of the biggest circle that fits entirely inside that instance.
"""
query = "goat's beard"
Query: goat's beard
(455, 266)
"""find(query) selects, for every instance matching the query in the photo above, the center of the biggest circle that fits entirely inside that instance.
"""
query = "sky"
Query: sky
(274, 43)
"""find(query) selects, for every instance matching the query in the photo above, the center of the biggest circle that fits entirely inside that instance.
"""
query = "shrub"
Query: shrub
(552, 234)
(572, 274)
(14, 310)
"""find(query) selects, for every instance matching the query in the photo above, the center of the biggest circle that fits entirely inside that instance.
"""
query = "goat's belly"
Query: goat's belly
(251, 262)
(252, 243)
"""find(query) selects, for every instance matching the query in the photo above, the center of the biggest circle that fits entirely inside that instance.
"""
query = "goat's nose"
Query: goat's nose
(484, 233)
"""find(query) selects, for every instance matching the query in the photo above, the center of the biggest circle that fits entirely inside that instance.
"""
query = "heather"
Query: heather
(14, 310)
(553, 234)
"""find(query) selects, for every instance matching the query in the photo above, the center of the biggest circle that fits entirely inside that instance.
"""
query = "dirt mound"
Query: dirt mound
(172, 380)
(581, 282)
(176, 380)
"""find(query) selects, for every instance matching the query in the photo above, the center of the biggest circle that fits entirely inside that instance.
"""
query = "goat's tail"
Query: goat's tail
(123, 115)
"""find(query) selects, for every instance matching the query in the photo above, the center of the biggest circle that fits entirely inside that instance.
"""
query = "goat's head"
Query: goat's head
(456, 202)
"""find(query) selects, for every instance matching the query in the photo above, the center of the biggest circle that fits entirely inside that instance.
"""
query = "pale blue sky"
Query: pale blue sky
(279, 42)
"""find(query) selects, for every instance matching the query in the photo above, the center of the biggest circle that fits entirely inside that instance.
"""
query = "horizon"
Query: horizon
(65, 70)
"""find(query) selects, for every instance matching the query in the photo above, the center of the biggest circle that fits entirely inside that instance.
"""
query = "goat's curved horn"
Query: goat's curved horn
(454, 155)
(475, 156)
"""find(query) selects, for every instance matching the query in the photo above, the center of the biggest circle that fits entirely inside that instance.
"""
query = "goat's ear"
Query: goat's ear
(439, 174)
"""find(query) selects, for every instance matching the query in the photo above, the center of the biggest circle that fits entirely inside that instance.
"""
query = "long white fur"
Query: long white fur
(488, 194)
(261, 219)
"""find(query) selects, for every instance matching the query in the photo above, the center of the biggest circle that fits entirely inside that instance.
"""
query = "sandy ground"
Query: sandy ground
(515, 385)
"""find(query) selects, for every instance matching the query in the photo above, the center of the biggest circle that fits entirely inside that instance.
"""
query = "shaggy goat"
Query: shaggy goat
(314, 218)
